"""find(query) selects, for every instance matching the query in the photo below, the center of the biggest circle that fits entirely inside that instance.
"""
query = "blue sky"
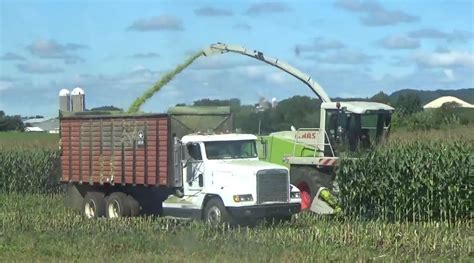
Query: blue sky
(115, 50)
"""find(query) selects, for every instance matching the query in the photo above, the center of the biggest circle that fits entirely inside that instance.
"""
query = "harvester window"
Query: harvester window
(375, 127)
(353, 131)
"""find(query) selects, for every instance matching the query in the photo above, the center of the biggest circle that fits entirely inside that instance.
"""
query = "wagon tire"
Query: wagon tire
(117, 205)
(93, 205)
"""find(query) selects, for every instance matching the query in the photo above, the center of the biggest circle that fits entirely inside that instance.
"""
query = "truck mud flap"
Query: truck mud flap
(73, 198)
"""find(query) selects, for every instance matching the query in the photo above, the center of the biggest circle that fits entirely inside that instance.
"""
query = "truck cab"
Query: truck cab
(224, 181)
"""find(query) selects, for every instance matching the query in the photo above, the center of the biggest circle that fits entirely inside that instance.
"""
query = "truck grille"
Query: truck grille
(272, 186)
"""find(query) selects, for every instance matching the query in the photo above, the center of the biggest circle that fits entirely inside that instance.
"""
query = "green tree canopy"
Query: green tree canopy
(408, 104)
(381, 97)
(11, 123)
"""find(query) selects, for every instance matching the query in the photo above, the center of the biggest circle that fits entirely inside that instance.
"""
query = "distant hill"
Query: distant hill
(429, 95)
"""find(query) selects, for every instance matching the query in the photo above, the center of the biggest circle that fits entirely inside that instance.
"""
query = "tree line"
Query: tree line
(264, 117)
(11, 123)
(304, 112)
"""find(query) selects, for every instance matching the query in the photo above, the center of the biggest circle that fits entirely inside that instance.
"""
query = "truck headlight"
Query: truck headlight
(295, 195)
(243, 198)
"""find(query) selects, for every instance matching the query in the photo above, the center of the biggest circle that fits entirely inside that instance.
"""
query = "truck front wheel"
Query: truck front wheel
(117, 205)
(93, 205)
(215, 213)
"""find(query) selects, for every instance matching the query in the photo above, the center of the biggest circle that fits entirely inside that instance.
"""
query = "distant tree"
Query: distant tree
(299, 111)
(11, 123)
(107, 108)
(233, 103)
(450, 105)
(408, 104)
(209, 102)
(381, 97)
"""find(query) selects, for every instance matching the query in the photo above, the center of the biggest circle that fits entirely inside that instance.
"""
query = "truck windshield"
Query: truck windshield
(230, 149)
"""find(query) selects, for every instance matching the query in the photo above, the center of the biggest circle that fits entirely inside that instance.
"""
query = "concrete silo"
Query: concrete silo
(78, 100)
(64, 100)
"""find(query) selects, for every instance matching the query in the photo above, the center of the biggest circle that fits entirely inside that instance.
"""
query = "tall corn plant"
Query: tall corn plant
(416, 181)
(28, 170)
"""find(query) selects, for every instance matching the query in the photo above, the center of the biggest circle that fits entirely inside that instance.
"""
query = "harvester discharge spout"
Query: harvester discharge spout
(220, 48)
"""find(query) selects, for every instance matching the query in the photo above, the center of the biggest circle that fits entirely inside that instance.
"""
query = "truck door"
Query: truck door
(193, 171)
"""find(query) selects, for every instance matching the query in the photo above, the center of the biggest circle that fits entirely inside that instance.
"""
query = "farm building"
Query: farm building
(437, 103)
(33, 129)
(50, 125)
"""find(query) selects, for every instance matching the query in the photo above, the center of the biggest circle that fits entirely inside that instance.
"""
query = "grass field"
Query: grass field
(28, 140)
(37, 227)
(459, 132)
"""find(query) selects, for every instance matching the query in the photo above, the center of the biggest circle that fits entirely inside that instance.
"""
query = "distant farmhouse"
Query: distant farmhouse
(33, 129)
(42, 125)
(437, 103)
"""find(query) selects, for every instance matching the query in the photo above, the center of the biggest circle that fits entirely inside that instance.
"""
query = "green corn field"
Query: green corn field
(407, 200)
(29, 170)
(413, 181)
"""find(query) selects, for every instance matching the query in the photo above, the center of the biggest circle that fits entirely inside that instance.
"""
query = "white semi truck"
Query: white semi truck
(225, 181)
(179, 164)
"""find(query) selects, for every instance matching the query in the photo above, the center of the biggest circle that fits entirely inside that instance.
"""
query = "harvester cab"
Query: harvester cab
(353, 126)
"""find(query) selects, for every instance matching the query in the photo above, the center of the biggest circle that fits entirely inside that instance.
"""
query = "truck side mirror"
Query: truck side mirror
(264, 148)
(201, 180)
(184, 155)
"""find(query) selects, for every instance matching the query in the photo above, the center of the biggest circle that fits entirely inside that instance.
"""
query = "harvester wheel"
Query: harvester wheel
(309, 180)
(305, 194)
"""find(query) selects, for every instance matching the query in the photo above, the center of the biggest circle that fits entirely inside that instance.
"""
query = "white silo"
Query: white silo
(274, 103)
(64, 100)
(78, 100)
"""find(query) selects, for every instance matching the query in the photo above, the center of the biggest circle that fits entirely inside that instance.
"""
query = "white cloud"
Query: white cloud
(278, 78)
(157, 23)
(50, 49)
(447, 59)
(345, 57)
(11, 56)
(374, 14)
(399, 42)
(38, 68)
(449, 75)
(268, 8)
(5, 85)
(242, 26)
(254, 71)
(211, 11)
(319, 45)
(145, 55)
(430, 33)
